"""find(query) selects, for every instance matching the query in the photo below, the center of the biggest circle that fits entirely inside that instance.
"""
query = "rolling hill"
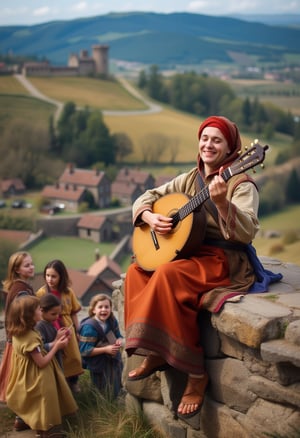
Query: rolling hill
(166, 40)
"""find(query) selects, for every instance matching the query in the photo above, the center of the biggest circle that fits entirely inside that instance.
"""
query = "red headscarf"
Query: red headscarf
(228, 129)
(230, 132)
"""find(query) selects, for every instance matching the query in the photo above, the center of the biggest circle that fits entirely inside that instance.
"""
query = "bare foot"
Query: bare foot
(193, 395)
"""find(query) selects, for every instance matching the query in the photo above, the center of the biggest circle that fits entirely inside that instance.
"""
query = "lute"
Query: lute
(152, 249)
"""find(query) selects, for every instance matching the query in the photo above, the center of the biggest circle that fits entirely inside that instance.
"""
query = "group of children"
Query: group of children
(47, 347)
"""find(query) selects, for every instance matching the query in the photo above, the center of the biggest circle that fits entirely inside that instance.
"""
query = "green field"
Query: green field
(285, 95)
(76, 253)
(80, 253)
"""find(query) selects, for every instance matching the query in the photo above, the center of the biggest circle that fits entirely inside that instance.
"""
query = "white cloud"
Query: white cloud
(79, 7)
(40, 12)
(217, 7)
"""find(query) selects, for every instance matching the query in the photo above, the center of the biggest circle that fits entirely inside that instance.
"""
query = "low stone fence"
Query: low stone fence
(252, 351)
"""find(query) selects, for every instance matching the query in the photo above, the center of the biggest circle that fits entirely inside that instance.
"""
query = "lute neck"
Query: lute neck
(197, 200)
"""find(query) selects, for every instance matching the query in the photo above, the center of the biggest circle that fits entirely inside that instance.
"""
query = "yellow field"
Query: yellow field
(283, 222)
(10, 85)
(107, 95)
(90, 92)
(168, 122)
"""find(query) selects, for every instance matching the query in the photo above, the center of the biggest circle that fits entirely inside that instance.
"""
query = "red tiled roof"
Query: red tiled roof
(16, 182)
(91, 221)
(103, 263)
(18, 237)
(123, 188)
(63, 194)
(83, 177)
(162, 179)
(134, 175)
(81, 281)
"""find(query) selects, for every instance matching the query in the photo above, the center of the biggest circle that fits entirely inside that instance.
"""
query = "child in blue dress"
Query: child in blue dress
(100, 341)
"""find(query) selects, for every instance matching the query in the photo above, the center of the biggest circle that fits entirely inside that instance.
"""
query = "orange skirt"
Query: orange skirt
(162, 307)
(5, 368)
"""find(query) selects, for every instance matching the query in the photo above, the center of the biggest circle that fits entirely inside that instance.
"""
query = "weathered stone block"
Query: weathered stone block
(275, 392)
(229, 383)
(279, 350)
(218, 422)
(252, 321)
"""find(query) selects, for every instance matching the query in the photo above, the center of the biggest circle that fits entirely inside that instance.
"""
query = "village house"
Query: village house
(162, 179)
(94, 181)
(96, 228)
(97, 279)
(70, 197)
(11, 187)
(125, 192)
(144, 179)
(130, 184)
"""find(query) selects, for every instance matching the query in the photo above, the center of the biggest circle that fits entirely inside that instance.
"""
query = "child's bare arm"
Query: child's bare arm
(107, 349)
(43, 361)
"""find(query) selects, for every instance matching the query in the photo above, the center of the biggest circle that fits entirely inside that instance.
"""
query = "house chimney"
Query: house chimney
(71, 167)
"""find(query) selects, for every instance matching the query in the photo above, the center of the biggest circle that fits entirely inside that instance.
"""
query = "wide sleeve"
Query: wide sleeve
(75, 305)
(242, 223)
(40, 292)
(29, 342)
(88, 338)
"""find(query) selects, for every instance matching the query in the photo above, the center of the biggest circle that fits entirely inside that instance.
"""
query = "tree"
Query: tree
(84, 137)
(123, 145)
(272, 197)
(24, 153)
(292, 192)
(155, 84)
(142, 79)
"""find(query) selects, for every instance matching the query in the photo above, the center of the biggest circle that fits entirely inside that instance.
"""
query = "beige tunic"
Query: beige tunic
(241, 225)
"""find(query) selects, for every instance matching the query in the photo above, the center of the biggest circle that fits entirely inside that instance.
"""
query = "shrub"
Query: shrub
(289, 237)
(276, 248)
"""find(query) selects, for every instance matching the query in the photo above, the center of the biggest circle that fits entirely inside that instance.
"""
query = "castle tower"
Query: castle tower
(100, 56)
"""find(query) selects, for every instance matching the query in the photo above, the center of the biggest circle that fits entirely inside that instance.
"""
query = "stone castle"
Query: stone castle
(78, 65)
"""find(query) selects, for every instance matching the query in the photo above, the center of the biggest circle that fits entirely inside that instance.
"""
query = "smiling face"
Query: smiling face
(213, 148)
(26, 268)
(102, 310)
(52, 278)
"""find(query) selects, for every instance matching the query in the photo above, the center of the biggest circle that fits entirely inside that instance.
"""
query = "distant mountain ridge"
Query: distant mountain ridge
(152, 38)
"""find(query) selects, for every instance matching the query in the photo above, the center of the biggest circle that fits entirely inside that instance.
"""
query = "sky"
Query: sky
(30, 12)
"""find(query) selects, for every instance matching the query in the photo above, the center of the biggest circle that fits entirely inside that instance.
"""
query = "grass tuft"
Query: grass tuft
(101, 417)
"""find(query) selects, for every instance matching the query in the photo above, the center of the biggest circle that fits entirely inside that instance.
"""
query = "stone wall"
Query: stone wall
(252, 351)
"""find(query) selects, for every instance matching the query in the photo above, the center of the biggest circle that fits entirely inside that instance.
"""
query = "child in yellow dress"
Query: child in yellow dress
(37, 389)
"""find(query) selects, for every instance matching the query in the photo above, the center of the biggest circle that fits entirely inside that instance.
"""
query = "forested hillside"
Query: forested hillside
(163, 39)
